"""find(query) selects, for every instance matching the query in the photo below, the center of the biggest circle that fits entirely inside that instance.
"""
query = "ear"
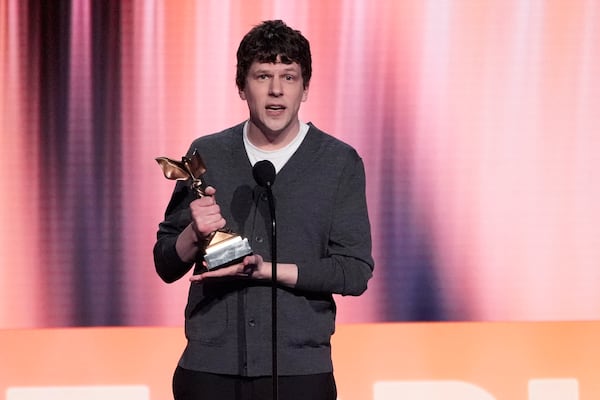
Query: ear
(242, 94)
(305, 93)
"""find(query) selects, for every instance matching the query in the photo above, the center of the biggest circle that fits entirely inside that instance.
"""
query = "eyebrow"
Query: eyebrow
(263, 70)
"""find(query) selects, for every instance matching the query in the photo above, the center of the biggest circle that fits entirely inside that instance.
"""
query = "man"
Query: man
(323, 237)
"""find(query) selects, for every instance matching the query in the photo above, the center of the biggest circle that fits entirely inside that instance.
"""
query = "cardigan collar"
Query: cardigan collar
(299, 164)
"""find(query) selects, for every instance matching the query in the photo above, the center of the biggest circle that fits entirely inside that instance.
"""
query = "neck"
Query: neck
(266, 139)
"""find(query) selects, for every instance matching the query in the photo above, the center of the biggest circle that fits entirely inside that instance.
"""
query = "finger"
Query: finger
(253, 259)
(232, 270)
(204, 201)
(210, 191)
(204, 214)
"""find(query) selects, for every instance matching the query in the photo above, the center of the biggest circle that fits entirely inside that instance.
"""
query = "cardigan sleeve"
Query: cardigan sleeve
(167, 262)
(348, 264)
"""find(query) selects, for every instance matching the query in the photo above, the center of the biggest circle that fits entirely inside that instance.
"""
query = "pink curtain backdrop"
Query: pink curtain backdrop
(479, 125)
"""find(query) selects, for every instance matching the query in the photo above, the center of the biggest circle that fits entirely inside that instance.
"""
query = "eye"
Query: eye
(263, 77)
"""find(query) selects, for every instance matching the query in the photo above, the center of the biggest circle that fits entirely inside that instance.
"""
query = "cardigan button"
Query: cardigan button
(259, 239)
(252, 323)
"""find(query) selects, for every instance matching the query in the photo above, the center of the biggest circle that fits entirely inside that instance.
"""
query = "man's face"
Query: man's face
(274, 92)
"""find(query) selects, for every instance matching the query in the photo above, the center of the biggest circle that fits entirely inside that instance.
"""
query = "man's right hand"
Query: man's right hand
(206, 219)
(206, 215)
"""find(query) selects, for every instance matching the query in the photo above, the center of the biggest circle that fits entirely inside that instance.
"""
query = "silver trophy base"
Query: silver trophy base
(226, 252)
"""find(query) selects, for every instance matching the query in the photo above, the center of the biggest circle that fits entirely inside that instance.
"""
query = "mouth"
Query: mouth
(275, 107)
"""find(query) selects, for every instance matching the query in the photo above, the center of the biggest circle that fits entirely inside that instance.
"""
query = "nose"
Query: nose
(276, 88)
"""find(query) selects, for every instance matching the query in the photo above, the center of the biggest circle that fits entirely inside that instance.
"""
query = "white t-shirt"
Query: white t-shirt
(278, 157)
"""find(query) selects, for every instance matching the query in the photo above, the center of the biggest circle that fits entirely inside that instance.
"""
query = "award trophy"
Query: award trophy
(224, 247)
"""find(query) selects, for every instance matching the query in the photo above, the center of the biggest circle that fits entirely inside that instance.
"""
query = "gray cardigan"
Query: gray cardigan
(322, 226)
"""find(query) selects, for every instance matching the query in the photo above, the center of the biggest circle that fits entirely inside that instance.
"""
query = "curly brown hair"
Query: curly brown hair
(268, 41)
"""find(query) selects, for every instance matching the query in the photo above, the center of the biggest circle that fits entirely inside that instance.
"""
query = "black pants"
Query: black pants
(194, 385)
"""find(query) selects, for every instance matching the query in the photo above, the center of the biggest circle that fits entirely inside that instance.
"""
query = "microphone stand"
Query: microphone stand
(273, 290)
(264, 173)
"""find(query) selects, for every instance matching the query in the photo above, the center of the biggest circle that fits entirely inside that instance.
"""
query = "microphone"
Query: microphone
(264, 173)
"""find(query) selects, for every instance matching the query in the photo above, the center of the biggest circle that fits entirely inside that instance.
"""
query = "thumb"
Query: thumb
(210, 191)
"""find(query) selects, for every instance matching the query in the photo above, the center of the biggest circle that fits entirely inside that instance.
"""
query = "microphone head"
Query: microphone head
(264, 173)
